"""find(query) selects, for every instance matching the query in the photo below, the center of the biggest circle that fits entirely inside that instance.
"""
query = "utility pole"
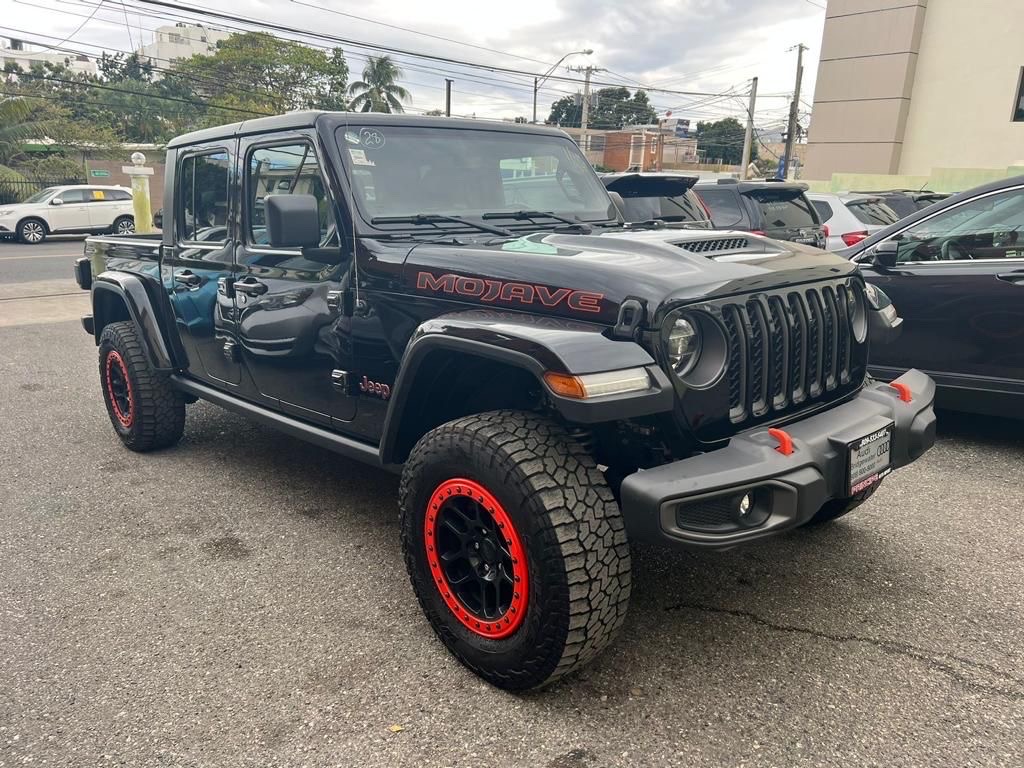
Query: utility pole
(448, 97)
(539, 81)
(748, 137)
(536, 85)
(794, 108)
(587, 72)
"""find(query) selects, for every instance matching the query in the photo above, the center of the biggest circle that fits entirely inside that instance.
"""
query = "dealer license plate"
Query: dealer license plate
(869, 460)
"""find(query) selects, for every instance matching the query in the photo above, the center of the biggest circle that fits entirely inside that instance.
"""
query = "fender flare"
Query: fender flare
(535, 345)
(141, 296)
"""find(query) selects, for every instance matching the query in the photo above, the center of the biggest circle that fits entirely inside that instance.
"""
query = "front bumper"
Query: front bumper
(787, 489)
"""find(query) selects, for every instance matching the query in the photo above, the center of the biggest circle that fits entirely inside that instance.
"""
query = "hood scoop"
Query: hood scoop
(713, 244)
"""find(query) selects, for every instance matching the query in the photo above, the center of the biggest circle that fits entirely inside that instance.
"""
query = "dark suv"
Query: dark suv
(652, 197)
(457, 301)
(779, 210)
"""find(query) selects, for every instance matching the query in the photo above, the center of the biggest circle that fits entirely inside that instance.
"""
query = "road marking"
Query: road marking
(40, 310)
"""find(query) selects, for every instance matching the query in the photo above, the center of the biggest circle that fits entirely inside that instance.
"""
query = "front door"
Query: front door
(959, 286)
(72, 214)
(289, 300)
(198, 263)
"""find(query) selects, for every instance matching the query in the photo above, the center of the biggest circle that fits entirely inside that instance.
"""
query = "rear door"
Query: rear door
(959, 286)
(787, 214)
(106, 205)
(288, 299)
(199, 260)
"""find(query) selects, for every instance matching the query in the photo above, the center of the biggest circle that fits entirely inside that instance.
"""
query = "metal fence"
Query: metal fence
(16, 191)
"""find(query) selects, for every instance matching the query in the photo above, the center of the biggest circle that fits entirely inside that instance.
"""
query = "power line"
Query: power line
(79, 28)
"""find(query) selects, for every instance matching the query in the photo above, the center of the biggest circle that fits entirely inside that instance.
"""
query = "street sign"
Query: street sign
(99, 174)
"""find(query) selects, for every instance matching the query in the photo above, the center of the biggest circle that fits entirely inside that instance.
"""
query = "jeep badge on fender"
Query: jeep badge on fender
(557, 384)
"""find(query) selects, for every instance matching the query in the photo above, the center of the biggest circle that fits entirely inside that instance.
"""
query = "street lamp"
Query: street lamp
(539, 81)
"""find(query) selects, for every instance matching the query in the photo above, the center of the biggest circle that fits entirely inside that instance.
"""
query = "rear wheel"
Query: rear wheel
(515, 547)
(146, 411)
(123, 225)
(836, 508)
(32, 231)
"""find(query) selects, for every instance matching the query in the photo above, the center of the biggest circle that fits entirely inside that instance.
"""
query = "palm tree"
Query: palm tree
(378, 91)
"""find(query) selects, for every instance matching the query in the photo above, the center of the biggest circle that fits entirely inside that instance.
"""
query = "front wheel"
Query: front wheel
(32, 231)
(515, 547)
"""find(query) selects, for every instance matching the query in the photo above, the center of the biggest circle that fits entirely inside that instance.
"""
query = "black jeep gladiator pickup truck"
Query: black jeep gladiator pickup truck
(458, 301)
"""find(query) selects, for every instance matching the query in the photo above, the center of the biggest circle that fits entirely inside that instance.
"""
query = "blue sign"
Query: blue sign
(780, 172)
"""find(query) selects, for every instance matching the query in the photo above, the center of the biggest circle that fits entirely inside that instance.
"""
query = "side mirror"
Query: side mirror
(293, 221)
(886, 254)
(620, 204)
(56, 201)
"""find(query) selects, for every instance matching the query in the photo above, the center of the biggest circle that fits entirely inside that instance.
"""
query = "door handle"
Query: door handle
(186, 277)
(1015, 278)
(250, 286)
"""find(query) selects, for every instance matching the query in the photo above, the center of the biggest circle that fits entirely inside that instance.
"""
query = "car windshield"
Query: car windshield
(784, 208)
(678, 208)
(414, 172)
(873, 212)
(42, 195)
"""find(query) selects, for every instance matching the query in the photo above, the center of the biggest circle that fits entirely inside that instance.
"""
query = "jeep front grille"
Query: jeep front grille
(788, 348)
(714, 244)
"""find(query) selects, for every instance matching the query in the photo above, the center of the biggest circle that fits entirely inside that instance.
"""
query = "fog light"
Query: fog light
(745, 504)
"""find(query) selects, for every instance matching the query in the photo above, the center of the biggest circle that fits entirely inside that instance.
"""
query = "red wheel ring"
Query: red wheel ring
(476, 558)
(119, 389)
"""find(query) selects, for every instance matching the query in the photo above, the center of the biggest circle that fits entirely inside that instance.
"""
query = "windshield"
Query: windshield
(785, 208)
(42, 195)
(873, 212)
(405, 171)
(678, 208)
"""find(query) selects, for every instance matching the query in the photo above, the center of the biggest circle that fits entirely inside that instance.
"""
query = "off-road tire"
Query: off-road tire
(32, 231)
(836, 508)
(115, 228)
(154, 415)
(571, 529)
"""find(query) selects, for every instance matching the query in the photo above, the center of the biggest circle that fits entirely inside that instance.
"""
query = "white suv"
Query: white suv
(67, 210)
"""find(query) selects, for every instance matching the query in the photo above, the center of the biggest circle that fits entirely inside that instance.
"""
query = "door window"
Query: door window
(990, 227)
(824, 209)
(289, 169)
(203, 198)
(73, 196)
(724, 205)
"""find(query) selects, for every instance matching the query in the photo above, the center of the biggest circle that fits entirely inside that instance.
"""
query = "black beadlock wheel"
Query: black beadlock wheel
(145, 410)
(836, 508)
(515, 547)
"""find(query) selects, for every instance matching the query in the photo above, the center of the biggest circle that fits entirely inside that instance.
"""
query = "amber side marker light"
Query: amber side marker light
(598, 384)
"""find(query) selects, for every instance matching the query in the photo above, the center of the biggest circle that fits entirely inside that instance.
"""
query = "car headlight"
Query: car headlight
(683, 346)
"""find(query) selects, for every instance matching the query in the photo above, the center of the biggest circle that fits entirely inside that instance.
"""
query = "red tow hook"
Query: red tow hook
(904, 391)
(785, 446)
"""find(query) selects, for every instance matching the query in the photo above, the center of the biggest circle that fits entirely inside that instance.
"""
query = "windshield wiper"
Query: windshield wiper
(436, 218)
(578, 225)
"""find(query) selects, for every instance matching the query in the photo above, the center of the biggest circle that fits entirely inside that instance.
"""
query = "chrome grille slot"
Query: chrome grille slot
(714, 244)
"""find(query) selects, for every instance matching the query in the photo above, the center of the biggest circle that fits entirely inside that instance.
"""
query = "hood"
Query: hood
(587, 277)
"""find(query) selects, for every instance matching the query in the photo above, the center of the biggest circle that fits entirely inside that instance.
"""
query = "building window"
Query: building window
(1018, 107)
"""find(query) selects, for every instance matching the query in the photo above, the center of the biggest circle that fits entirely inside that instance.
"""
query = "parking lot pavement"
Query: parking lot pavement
(51, 260)
(240, 600)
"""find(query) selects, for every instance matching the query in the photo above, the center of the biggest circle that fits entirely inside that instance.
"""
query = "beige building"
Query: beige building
(15, 51)
(906, 86)
(181, 41)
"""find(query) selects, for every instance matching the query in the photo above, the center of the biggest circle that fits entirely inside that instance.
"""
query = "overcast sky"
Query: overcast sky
(708, 46)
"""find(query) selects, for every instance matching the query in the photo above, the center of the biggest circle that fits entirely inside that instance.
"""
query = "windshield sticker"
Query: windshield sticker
(359, 157)
(351, 138)
(371, 138)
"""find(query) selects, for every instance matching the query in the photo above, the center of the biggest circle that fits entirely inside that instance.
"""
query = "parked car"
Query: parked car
(850, 218)
(907, 201)
(777, 209)
(548, 384)
(955, 272)
(659, 197)
(69, 210)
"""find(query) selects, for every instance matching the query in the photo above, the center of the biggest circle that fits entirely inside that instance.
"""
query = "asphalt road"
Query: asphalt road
(240, 600)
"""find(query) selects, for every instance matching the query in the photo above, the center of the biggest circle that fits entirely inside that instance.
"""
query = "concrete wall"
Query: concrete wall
(862, 96)
(968, 71)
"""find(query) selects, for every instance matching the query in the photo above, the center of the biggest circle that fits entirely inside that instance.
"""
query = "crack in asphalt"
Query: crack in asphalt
(937, 661)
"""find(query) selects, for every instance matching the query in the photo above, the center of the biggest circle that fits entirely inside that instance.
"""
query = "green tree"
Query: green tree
(378, 91)
(610, 108)
(724, 139)
(260, 73)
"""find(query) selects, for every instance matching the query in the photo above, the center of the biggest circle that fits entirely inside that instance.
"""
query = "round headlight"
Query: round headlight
(683, 346)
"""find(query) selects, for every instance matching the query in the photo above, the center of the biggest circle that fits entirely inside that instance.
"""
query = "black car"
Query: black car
(659, 197)
(908, 201)
(955, 273)
(777, 209)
